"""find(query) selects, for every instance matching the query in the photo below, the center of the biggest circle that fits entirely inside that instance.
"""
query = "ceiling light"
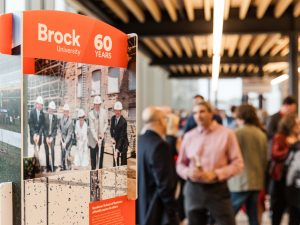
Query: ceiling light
(215, 72)
(219, 6)
(279, 79)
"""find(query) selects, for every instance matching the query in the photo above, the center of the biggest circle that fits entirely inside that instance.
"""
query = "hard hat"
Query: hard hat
(66, 107)
(97, 100)
(81, 113)
(52, 105)
(39, 100)
(118, 106)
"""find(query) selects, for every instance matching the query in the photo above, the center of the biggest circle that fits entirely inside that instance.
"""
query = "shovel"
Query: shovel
(36, 153)
(50, 157)
(99, 152)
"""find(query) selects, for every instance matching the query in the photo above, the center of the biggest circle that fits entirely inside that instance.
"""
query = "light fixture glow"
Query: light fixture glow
(279, 79)
(215, 72)
(219, 6)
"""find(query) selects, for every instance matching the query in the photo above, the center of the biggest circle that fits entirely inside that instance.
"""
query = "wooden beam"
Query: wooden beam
(189, 7)
(153, 47)
(185, 42)
(233, 40)
(296, 11)
(234, 68)
(171, 9)
(188, 68)
(256, 43)
(117, 9)
(203, 68)
(175, 46)
(135, 9)
(250, 68)
(244, 43)
(226, 9)
(198, 45)
(223, 44)
(164, 47)
(280, 7)
(284, 51)
(207, 10)
(209, 67)
(226, 68)
(153, 8)
(196, 68)
(180, 68)
(222, 75)
(236, 59)
(282, 44)
(269, 43)
(244, 6)
(173, 69)
(209, 45)
(262, 7)
(242, 67)
(250, 25)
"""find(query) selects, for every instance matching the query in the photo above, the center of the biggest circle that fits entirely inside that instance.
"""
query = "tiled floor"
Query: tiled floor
(241, 219)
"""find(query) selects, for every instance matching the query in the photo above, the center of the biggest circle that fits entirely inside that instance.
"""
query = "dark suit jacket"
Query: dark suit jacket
(119, 133)
(35, 126)
(53, 128)
(156, 203)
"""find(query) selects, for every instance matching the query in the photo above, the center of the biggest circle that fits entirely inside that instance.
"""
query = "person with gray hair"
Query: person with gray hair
(156, 203)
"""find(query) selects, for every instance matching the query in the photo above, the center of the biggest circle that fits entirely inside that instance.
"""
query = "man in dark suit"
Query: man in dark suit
(66, 128)
(156, 203)
(50, 131)
(36, 122)
(118, 131)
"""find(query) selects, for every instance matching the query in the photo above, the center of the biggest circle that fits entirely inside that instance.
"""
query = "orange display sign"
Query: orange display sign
(114, 211)
(6, 33)
(71, 37)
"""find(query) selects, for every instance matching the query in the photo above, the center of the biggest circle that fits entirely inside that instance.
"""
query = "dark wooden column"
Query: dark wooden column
(260, 101)
(293, 65)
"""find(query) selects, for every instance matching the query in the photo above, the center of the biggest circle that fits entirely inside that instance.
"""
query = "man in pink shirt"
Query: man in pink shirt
(209, 156)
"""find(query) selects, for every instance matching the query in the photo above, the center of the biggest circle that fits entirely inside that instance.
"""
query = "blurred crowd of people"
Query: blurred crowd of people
(205, 167)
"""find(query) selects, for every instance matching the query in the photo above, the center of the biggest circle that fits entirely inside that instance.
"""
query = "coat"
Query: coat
(119, 133)
(46, 128)
(66, 129)
(35, 125)
(98, 126)
(156, 203)
(254, 146)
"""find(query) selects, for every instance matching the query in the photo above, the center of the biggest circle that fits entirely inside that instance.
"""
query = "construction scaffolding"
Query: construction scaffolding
(48, 82)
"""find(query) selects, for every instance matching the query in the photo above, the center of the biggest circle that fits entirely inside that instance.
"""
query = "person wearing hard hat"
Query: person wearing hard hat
(50, 131)
(98, 123)
(66, 128)
(118, 131)
(82, 154)
(36, 122)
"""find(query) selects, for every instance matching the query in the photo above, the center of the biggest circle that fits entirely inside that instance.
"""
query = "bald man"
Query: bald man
(156, 174)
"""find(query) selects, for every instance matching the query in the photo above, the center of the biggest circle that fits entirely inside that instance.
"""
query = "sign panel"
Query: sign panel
(76, 39)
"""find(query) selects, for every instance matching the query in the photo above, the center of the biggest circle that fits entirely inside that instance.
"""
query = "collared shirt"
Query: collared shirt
(50, 123)
(38, 115)
(216, 148)
(117, 120)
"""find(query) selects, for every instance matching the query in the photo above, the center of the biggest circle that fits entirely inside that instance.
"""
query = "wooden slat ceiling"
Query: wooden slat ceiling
(190, 54)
